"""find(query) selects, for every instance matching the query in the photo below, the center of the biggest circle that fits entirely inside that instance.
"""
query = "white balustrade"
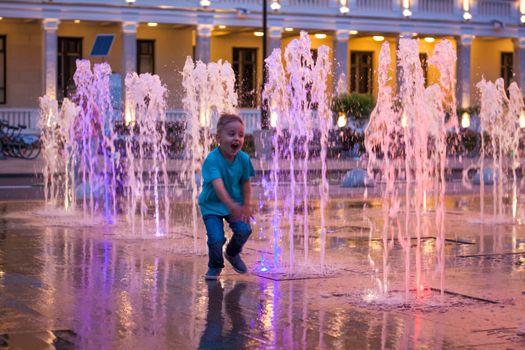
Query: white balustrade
(374, 5)
(29, 118)
(309, 3)
(251, 118)
(175, 115)
(436, 6)
(496, 8)
(21, 116)
(507, 11)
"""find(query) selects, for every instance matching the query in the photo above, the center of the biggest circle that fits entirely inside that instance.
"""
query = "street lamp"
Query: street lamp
(265, 123)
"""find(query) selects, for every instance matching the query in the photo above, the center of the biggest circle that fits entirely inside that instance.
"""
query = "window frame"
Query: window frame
(507, 78)
(423, 59)
(148, 41)
(354, 81)
(237, 63)
(59, 55)
(3, 49)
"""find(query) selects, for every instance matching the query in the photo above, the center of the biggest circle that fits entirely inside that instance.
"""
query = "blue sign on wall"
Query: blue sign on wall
(102, 45)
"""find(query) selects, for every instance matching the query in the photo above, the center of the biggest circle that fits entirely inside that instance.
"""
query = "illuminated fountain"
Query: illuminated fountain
(56, 130)
(78, 145)
(408, 143)
(209, 91)
(298, 102)
(499, 120)
(146, 159)
(84, 168)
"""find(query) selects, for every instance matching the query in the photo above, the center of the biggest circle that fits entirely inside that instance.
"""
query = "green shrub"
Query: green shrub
(356, 106)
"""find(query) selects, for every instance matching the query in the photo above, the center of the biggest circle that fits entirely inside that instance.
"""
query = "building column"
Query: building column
(50, 55)
(274, 40)
(129, 48)
(519, 62)
(203, 43)
(463, 66)
(341, 61)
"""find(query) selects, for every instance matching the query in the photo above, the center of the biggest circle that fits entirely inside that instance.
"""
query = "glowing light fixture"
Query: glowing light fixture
(353, 32)
(429, 39)
(205, 3)
(341, 120)
(522, 119)
(343, 7)
(404, 120)
(522, 11)
(414, 34)
(76, 21)
(288, 29)
(129, 2)
(273, 119)
(152, 24)
(222, 26)
(320, 35)
(275, 5)
(378, 38)
(129, 116)
(258, 33)
(406, 8)
(465, 120)
(467, 16)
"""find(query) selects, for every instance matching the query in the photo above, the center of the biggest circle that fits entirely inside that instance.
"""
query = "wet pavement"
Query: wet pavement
(65, 284)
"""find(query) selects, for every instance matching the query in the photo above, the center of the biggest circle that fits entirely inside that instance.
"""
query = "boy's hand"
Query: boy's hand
(242, 213)
(236, 212)
(246, 213)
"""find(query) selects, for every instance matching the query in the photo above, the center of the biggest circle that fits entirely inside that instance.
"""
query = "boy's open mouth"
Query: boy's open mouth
(235, 146)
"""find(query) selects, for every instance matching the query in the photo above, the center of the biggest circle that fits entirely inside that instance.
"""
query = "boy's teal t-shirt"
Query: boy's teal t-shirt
(233, 175)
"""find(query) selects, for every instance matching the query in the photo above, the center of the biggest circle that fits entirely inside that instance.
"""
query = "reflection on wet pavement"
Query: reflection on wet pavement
(61, 286)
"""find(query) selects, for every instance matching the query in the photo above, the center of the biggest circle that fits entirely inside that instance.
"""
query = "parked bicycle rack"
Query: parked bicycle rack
(17, 145)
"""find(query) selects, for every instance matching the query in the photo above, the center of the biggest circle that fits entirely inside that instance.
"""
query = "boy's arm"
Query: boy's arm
(224, 196)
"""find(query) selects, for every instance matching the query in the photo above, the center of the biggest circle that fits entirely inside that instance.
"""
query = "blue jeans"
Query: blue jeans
(215, 232)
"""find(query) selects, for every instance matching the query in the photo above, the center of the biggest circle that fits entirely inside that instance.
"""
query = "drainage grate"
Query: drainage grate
(276, 276)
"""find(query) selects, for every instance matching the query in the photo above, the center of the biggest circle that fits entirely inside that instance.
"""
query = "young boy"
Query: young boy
(225, 195)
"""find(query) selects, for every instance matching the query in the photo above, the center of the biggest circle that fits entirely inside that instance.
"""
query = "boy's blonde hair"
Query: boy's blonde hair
(227, 118)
